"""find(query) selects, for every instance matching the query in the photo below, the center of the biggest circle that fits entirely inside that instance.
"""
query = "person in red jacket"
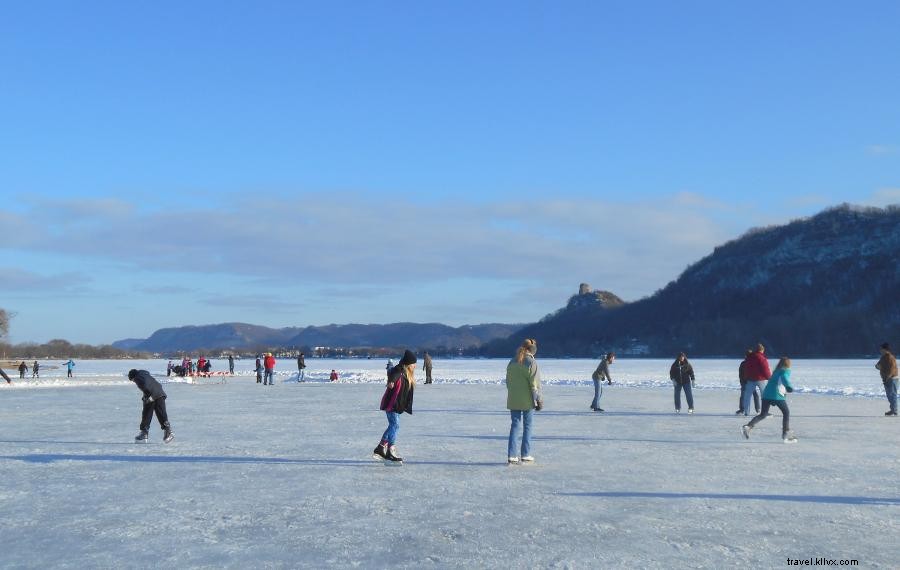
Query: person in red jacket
(269, 364)
(757, 373)
(334, 376)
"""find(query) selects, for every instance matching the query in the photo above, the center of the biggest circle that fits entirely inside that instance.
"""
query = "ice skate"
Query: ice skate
(690, 410)
(745, 431)
(142, 437)
(788, 437)
(512, 460)
(392, 455)
(527, 459)
(168, 436)
(380, 451)
(677, 411)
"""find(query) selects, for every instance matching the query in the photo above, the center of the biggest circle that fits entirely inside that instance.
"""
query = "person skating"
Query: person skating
(301, 368)
(773, 395)
(334, 376)
(231, 364)
(258, 369)
(154, 401)
(23, 368)
(397, 399)
(681, 373)
(426, 363)
(599, 375)
(758, 372)
(36, 369)
(69, 364)
(887, 367)
(742, 378)
(523, 397)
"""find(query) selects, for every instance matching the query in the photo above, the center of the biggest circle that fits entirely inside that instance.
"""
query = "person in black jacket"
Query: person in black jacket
(154, 401)
(682, 375)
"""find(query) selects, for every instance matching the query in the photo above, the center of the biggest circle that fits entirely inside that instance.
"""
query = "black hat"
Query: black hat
(886, 346)
(408, 358)
(132, 373)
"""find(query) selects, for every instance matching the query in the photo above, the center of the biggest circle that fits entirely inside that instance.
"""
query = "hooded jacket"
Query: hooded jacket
(148, 385)
(757, 367)
(523, 384)
(398, 395)
(681, 372)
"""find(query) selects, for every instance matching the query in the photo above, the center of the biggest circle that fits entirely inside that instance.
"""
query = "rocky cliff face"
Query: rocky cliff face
(822, 286)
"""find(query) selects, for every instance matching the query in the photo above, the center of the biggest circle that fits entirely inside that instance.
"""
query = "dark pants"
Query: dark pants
(687, 393)
(158, 406)
(741, 398)
(428, 375)
(781, 405)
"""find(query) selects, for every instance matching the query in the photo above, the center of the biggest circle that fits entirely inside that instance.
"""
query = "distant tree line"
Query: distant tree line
(59, 348)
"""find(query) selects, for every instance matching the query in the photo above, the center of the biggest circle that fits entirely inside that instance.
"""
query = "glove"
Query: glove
(609, 382)
(789, 390)
(539, 405)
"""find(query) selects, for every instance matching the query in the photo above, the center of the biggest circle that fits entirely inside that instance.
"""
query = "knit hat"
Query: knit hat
(886, 346)
(408, 358)
(132, 373)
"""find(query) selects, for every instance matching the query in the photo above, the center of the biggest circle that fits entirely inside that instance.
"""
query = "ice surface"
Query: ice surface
(282, 476)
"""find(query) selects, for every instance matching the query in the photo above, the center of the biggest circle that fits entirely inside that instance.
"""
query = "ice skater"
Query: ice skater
(773, 395)
(757, 372)
(301, 368)
(397, 398)
(36, 369)
(742, 378)
(523, 397)
(154, 401)
(69, 364)
(427, 365)
(887, 367)
(601, 373)
(681, 373)
(23, 368)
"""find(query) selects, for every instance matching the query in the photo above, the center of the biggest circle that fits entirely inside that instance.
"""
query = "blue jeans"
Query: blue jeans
(390, 434)
(749, 388)
(890, 389)
(598, 393)
(520, 417)
(301, 375)
(269, 377)
(741, 398)
(687, 394)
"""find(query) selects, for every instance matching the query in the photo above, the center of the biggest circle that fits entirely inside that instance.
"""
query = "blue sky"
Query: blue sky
(295, 163)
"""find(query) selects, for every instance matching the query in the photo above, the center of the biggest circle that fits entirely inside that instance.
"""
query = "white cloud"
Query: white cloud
(882, 149)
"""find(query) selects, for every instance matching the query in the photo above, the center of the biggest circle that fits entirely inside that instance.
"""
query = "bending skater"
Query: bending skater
(154, 401)
(523, 397)
(682, 375)
(397, 398)
(773, 395)
(601, 373)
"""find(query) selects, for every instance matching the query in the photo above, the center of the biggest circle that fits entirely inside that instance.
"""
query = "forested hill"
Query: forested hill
(827, 286)
(242, 336)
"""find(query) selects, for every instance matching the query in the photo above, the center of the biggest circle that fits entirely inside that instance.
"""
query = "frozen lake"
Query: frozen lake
(833, 377)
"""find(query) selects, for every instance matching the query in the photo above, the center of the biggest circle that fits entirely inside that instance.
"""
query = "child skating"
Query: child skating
(154, 401)
(773, 395)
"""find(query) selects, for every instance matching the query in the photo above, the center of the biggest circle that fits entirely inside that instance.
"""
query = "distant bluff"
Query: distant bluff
(822, 286)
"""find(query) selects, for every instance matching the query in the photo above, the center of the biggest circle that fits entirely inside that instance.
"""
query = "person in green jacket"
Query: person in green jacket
(523, 397)
(773, 395)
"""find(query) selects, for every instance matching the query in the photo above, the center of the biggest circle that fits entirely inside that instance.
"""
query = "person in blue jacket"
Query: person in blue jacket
(69, 364)
(773, 395)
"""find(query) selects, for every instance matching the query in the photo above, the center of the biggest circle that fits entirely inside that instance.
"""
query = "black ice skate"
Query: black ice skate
(380, 451)
(392, 455)
(168, 436)
(142, 437)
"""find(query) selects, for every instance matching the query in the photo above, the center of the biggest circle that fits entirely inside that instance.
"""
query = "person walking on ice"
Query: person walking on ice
(427, 364)
(69, 364)
(154, 401)
(301, 368)
(601, 373)
(523, 397)
(773, 395)
(397, 398)
(23, 368)
(682, 375)
(36, 369)
(887, 367)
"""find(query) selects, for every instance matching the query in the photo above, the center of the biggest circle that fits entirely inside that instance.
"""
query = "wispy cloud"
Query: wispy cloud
(22, 281)
(333, 240)
(882, 149)
(261, 302)
(884, 197)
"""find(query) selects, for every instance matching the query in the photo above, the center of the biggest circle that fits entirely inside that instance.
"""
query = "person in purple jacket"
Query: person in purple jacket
(397, 398)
